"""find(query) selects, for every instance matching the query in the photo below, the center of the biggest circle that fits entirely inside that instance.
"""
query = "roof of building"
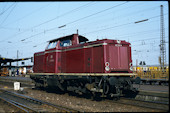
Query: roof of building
(5, 60)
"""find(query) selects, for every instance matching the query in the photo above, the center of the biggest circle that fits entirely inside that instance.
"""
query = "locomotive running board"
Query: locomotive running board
(86, 74)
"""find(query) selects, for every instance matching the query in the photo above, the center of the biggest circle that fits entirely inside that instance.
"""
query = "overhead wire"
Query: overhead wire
(111, 19)
(78, 19)
(143, 33)
(96, 13)
(74, 9)
(119, 25)
(63, 14)
(97, 30)
(50, 20)
(49, 29)
(7, 9)
(3, 9)
(152, 8)
(8, 14)
(146, 40)
(46, 42)
(19, 29)
(28, 14)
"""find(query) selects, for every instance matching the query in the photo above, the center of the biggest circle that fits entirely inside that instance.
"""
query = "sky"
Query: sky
(27, 26)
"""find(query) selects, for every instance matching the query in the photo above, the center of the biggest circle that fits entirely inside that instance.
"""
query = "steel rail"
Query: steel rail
(156, 102)
(143, 104)
(151, 100)
(23, 106)
(41, 102)
(154, 93)
(13, 104)
(63, 109)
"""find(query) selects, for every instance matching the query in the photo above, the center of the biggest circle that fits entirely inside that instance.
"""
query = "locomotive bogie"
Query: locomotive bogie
(104, 85)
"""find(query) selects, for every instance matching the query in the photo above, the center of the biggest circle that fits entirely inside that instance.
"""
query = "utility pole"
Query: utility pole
(17, 57)
(162, 42)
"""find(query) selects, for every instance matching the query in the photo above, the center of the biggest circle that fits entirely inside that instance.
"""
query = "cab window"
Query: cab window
(52, 45)
(65, 43)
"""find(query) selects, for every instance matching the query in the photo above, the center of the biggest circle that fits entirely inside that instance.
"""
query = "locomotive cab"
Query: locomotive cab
(70, 40)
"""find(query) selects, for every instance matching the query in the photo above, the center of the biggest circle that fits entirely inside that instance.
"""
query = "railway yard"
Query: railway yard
(103, 80)
(72, 75)
(31, 99)
(84, 56)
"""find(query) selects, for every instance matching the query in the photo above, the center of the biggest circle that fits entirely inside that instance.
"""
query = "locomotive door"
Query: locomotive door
(50, 61)
(88, 60)
(97, 59)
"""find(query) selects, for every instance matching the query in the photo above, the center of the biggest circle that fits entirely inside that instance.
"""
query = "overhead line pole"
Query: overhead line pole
(17, 57)
(162, 42)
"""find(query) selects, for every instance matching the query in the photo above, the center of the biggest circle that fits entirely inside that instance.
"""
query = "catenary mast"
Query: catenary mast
(162, 42)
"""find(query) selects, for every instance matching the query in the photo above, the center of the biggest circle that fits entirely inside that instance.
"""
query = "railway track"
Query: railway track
(10, 103)
(28, 104)
(151, 96)
(144, 99)
(148, 99)
(151, 104)
(145, 104)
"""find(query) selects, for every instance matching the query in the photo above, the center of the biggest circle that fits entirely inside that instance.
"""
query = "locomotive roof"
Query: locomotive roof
(81, 38)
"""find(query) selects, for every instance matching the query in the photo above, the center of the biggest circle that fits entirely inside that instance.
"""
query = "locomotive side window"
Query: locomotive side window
(65, 43)
(52, 45)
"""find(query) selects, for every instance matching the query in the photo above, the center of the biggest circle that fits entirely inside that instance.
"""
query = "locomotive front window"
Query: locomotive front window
(52, 45)
(65, 43)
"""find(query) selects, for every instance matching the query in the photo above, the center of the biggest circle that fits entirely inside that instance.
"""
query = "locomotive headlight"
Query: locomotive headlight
(107, 66)
(130, 64)
(131, 68)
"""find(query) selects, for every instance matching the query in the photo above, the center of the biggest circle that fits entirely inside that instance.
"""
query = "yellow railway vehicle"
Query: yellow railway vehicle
(152, 74)
(4, 72)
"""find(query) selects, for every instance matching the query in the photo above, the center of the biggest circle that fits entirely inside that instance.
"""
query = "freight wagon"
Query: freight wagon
(72, 63)
(152, 74)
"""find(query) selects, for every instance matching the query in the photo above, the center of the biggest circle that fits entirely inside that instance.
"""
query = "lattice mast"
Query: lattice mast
(162, 41)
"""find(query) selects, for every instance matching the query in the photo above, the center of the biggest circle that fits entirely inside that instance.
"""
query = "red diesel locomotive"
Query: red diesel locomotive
(71, 63)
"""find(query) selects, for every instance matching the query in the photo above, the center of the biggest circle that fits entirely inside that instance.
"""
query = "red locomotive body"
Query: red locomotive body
(71, 54)
(70, 63)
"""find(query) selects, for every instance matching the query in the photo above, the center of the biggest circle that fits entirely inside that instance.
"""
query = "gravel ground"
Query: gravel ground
(5, 108)
(81, 104)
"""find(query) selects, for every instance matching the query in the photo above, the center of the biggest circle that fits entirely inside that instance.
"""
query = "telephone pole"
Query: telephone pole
(162, 42)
